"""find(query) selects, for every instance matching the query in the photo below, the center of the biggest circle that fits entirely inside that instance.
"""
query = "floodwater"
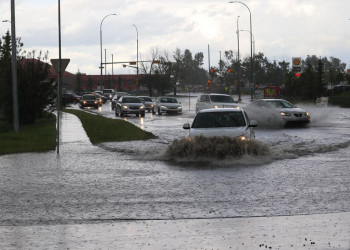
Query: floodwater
(130, 195)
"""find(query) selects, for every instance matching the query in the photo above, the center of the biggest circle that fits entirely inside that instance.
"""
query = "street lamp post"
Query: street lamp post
(137, 57)
(251, 42)
(101, 67)
(239, 67)
(14, 69)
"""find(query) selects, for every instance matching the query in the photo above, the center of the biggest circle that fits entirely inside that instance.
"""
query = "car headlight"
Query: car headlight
(124, 106)
(243, 138)
(152, 105)
(179, 107)
(84, 102)
(216, 106)
(142, 107)
(95, 102)
(307, 114)
(285, 114)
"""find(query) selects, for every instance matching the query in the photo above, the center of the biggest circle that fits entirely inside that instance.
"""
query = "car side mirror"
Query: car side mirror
(253, 123)
(186, 126)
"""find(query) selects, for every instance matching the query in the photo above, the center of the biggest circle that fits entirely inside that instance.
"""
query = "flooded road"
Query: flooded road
(306, 173)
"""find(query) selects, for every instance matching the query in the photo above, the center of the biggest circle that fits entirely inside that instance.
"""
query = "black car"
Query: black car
(89, 101)
(70, 98)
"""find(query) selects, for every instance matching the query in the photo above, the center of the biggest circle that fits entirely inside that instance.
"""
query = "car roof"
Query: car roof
(271, 99)
(215, 110)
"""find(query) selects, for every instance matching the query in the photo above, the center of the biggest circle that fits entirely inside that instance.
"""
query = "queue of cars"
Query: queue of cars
(216, 114)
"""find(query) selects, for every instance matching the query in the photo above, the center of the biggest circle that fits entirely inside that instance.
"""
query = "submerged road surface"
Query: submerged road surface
(305, 180)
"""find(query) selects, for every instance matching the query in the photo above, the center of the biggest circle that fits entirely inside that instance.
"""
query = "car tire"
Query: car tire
(159, 113)
(142, 114)
(153, 111)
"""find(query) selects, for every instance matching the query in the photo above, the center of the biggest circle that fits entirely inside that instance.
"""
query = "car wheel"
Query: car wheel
(120, 113)
(142, 114)
(153, 111)
(159, 113)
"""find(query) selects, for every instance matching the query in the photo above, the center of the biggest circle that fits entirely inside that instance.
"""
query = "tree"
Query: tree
(5, 76)
(35, 93)
(78, 82)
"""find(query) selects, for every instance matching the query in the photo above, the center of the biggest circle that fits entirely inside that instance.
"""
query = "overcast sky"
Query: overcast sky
(282, 29)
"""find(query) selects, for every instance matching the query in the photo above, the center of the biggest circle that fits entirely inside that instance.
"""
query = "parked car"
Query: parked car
(166, 104)
(109, 93)
(231, 122)
(149, 103)
(88, 100)
(209, 101)
(69, 98)
(116, 97)
(276, 112)
(129, 105)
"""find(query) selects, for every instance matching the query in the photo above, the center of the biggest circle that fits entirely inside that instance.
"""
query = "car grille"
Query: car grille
(172, 107)
(134, 107)
(298, 115)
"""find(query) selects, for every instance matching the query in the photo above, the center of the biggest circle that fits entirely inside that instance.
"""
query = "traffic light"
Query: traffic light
(209, 83)
(229, 70)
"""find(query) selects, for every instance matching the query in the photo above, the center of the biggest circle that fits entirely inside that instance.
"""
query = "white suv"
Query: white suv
(209, 101)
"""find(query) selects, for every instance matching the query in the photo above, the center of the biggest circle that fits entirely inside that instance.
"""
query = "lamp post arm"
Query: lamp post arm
(101, 39)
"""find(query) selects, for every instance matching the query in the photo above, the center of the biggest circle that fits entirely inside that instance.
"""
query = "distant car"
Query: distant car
(109, 93)
(231, 122)
(89, 100)
(100, 99)
(166, 104)
(149, 103)
(209, 101)
(129, 105)
(276, 112)
(104, 99)
(116, 97)
(69, 98)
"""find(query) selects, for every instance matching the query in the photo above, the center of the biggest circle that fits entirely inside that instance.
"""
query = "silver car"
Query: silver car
(165, 104)
(276, 112)
(209, 101)
(230, 122)
(129, 105)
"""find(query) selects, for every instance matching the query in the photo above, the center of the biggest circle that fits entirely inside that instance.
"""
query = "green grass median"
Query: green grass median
(101, 129)
(36, 137)
(41, 135)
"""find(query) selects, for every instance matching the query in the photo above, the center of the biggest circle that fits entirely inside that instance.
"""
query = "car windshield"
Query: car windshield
(168, 100)
(221, 98)
(131, 100)
(146, 99)
(89, 97)
(279, 104)
(219, 120)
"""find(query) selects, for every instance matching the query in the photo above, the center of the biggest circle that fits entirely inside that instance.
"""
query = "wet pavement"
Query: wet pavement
(83, 199)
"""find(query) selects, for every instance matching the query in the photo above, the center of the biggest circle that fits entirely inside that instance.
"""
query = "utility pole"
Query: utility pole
(14, 68)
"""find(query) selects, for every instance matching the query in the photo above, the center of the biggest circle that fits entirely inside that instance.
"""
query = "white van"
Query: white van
(209, 101)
